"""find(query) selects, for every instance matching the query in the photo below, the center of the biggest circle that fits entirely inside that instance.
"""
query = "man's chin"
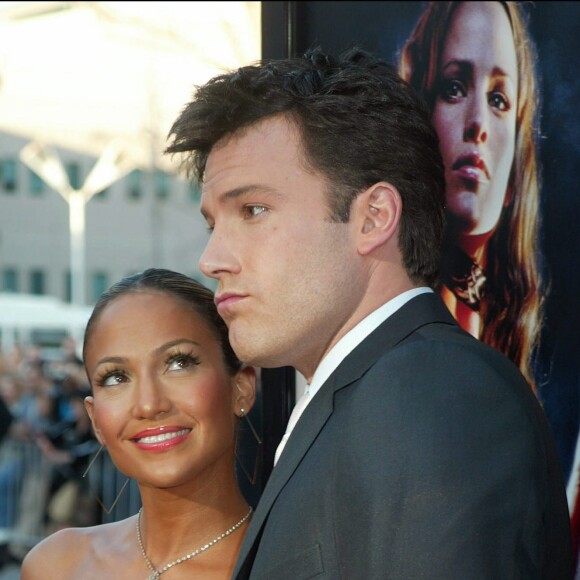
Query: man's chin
(252, 354)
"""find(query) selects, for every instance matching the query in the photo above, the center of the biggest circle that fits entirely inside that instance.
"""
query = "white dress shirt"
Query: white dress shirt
(340, 351)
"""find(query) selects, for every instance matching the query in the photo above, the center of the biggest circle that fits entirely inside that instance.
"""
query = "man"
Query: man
(420, 452)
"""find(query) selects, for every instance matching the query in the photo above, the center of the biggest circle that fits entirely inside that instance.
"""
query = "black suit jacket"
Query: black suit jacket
(424, 455)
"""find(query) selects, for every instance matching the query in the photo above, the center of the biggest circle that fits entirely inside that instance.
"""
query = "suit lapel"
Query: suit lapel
(421, 310)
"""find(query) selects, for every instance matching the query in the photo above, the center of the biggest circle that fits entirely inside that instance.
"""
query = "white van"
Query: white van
(27, 319)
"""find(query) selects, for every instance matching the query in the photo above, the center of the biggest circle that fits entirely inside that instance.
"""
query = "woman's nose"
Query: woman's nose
(151, 399)
(476, 129)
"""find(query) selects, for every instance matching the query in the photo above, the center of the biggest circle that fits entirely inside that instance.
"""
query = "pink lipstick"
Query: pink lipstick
(161, 438)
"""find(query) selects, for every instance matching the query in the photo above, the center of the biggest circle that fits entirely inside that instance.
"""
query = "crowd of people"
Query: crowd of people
(46, 444)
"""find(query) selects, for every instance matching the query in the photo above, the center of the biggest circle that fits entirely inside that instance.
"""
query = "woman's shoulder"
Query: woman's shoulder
(67, 552)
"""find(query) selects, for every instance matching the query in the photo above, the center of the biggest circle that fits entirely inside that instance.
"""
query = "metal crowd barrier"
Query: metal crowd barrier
(25, 476)
(23, 492)
(118, 496)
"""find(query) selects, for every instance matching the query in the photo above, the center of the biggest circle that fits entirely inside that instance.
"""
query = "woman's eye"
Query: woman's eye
(499, 102)
(112, 379)
(181, 361)
(452, 89)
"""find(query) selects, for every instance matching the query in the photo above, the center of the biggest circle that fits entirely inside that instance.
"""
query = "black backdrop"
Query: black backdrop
(289, 28)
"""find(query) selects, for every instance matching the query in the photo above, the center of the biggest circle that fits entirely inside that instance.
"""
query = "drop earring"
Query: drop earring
(252, 475)
(106, 509)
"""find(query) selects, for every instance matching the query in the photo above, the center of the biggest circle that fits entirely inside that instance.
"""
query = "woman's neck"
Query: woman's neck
(467, 318)
(474, 246)
(172, 527)
(183, 515)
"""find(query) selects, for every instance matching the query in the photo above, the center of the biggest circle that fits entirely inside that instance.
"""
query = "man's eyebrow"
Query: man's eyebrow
(240, 192)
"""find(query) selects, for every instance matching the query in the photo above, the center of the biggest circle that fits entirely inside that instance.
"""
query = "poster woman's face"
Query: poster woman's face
(475, 114)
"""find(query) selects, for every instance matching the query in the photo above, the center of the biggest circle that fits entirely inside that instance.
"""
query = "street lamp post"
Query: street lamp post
(76, 221)
(111, 166)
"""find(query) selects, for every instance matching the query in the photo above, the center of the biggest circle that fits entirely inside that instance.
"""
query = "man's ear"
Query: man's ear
(245, 390)
(89, 406)
(376, 214)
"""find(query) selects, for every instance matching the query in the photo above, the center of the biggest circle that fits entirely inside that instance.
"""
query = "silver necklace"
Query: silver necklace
(157, 572)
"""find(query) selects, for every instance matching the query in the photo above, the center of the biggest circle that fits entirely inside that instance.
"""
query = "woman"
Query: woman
(167, 393)
(474, 64)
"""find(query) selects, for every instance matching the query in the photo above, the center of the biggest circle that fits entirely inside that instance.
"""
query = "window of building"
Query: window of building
(161, 185)
(9, 280)
(67, 286)
(37, 282)
(103, 194)
(100, 284)
(8, 174)
(73, 170)
(35, 183)
(135, 184)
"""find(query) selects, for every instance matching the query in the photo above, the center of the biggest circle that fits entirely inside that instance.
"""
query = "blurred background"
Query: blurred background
(88, 93)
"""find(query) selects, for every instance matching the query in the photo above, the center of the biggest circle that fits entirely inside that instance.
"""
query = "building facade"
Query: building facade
(149, 218)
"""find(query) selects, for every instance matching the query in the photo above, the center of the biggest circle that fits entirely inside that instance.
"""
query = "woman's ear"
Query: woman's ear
(245, 390)
(89, 406)
(377, 213)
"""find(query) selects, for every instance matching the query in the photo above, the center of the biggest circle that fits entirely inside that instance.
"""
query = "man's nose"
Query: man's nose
(218, 256)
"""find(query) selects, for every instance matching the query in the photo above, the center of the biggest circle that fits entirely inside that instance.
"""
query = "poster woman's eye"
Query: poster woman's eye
(452, 90)
(498, 101)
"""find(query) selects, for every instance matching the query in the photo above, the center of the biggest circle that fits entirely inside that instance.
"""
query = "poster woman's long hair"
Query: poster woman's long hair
(510, 304)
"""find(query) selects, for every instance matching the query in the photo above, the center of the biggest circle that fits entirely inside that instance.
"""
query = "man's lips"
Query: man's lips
(227, 299)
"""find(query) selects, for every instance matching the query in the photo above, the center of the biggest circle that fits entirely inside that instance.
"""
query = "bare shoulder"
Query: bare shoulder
(52, 557)
(71, 552)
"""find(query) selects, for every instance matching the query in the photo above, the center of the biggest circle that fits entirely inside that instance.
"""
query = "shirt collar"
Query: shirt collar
(356, 335)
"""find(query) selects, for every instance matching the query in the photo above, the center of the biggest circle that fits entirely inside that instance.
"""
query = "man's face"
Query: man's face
(287, 276)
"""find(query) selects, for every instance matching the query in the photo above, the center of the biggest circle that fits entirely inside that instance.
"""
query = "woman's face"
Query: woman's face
(475, 114)
(163, 403)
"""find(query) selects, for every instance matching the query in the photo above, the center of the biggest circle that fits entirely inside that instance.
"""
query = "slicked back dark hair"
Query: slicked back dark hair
(359, 123)
(188, 291)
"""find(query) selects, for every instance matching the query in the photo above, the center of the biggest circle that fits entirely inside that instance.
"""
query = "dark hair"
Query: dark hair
(191, 293)
(359, 122)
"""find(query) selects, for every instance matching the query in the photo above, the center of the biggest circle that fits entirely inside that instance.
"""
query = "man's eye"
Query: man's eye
(251, 211)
